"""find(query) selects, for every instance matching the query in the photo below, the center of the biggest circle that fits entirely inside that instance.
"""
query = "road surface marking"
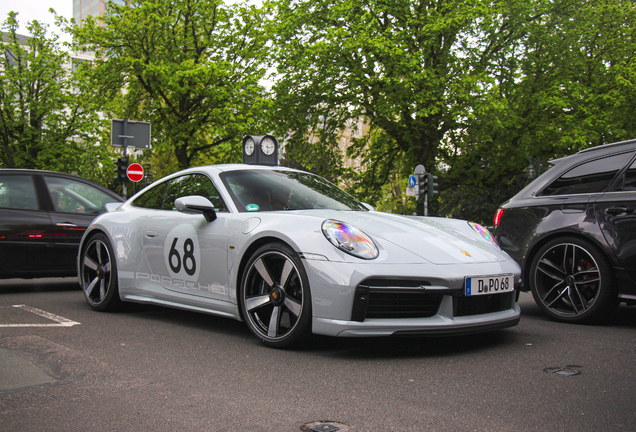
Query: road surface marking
(60, 321)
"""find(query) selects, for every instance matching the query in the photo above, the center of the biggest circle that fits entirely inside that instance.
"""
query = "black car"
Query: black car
(573, 231)
(43, 215)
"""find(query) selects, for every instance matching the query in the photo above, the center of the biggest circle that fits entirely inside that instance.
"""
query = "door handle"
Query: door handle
(619, 210)
(66, 224)
(152, 234)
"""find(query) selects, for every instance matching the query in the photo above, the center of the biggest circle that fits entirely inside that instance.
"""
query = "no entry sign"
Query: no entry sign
(135, 172)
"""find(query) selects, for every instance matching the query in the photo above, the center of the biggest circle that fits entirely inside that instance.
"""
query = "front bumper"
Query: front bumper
(333, 287)
(443, 323)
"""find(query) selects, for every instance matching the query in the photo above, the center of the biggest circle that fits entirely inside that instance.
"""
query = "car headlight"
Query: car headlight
(485, 234)
(349, 239)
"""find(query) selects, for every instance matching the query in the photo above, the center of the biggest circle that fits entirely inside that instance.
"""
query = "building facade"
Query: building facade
(84, 8)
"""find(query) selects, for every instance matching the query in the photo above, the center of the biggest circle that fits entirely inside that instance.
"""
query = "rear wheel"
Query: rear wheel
(98, 274)
(572, 281)
(274, 297)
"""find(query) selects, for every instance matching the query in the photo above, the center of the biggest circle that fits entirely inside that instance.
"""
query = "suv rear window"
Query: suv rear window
(589, 177)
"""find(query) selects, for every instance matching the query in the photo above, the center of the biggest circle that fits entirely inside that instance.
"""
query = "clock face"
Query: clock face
(268, 146)
(249, 146)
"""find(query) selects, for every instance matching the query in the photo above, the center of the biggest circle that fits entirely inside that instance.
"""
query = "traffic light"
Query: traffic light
(422, 182)
(431, 184)
(121, 165)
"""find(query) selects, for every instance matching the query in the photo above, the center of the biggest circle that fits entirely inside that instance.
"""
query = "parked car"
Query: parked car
(291, 253)
(573, 231)
(43, 215)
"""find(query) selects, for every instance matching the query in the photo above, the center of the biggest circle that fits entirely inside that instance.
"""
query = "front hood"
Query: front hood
(438, 240)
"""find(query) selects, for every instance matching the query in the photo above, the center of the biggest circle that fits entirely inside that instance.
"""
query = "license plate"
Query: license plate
(489, 285)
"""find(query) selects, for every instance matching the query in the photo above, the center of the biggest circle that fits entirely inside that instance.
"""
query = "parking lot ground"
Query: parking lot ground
(152, 368)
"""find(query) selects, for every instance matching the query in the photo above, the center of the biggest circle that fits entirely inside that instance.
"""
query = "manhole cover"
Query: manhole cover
(568, 370)
(324, 426)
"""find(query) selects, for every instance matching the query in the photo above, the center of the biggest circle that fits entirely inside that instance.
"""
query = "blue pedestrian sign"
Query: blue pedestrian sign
(412, 181)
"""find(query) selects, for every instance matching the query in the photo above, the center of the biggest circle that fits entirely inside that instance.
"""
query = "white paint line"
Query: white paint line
(61, 321)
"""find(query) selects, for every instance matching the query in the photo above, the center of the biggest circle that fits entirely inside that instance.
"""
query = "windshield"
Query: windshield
(261, 190)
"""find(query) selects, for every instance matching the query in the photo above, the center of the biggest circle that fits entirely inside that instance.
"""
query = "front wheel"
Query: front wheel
(98, 274)
(572, 281)
(274, 297)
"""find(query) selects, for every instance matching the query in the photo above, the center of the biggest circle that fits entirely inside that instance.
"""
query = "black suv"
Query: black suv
(573, 231)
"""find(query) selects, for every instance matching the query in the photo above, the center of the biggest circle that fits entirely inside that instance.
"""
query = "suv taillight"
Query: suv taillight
(498, 216)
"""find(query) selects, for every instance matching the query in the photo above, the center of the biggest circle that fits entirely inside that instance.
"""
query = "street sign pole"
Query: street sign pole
(129, 133)
(125, 145)
(425, 204)
(420, 169)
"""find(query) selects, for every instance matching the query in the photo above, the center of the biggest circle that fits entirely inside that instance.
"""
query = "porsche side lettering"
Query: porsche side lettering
(180, 283)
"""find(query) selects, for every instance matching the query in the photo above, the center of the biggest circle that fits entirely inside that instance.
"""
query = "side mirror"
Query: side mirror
(195, 204)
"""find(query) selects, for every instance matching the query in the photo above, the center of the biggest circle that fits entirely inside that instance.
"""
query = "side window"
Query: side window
(630, 178)
(193, 184)
(18, 192)
(70, 196)
(153, 197)
(590, 177)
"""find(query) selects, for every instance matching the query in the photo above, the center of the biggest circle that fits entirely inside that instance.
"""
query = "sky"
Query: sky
(29, 10)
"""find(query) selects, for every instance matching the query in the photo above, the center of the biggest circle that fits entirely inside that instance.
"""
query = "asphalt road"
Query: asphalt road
(64, 367)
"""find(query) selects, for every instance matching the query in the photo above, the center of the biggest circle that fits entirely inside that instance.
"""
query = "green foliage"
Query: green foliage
(394, 63)
(317, 152)
(565, 86)
(402, 66)
(46, 118)
(468, 88)
(190, 67)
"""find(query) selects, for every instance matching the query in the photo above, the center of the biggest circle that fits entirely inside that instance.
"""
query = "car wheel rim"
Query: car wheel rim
(568, 280)
(273, 296)
(96, 271)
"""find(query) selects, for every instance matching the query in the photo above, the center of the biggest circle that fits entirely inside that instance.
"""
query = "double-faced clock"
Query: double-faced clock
(260, 150)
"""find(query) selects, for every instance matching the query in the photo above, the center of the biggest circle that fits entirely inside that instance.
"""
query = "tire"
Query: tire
(572, 281)
(275, 299)
(98, 274)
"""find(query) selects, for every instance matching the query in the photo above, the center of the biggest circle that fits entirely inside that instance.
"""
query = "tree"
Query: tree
(46, 119)
(190, 67)
(403, 65)
(569, 86)
(468, 88)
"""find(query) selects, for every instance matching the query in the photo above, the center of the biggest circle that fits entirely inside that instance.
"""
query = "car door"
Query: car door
(74, 205)
(616, 214)
(185, 253)
(26, 242)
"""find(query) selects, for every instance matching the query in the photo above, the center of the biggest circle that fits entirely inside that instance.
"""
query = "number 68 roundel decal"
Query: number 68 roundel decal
(182, 253)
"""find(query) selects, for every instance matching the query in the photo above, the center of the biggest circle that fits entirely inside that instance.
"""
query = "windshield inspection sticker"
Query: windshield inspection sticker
(252, 207)
(182, 253)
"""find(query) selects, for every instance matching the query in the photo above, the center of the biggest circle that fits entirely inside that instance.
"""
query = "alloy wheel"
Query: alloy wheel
(97, 272)
(567, 280)
(273, 296)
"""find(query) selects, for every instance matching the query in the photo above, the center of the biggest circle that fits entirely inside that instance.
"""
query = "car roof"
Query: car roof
(34, 171)
(230, 167)
(236, 167)
(611, 147)
(565, 163)
(605, 147)
(625, 143)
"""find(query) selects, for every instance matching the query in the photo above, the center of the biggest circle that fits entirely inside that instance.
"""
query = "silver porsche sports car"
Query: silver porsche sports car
(290, 253)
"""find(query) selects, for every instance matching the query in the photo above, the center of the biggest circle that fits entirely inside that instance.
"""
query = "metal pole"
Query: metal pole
(426, 204)
(125, 143)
